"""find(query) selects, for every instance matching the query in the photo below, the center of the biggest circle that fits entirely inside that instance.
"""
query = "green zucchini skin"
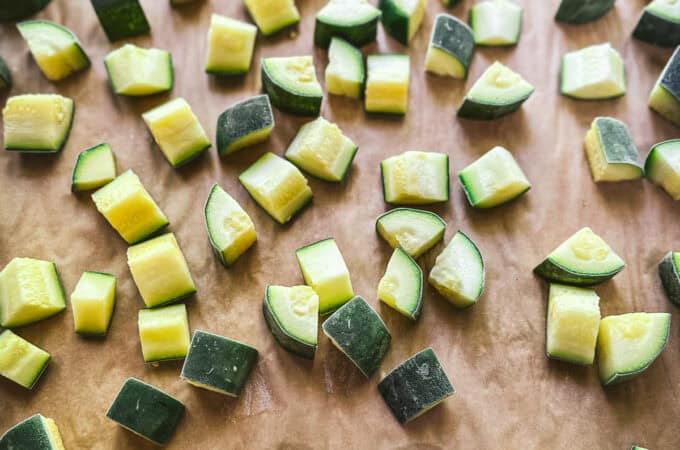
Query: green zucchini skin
(304, 105)
(360, 333)
(395, 24)
(5, 76)
(11, 10)
(415, 385)
(454, 37)
(241, 119)
(554, 272)
(358, 35)
(582, 11)
(617, 141)
(29, 434)
(471, 109)
(656, 30)
(121, 18)
(450, 3)
(670, 278)
(287, 341)
(146, 410)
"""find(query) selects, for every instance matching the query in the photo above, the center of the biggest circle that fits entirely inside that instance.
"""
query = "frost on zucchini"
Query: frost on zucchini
(230, 46)
(121, 18)
(593, 73)
(292, 315)
(37, 123)
(451, 47)
(21, 361)
(271, 16)
(496, 22)
(413, 230)
(582, 11)
(164, 333)
(35, 433)
(659, 23)
(92, 302)
(669, 272)
(5, 76)
(662, 166)
(387, 84)
(17, 10)
(401, 287)
(611, 152)
(291, 84)
(355, 21)
(402, 18)
(244, 124)
(345, 74)
(415, 178)
(94, 168)
(152, 74)
(665, 96)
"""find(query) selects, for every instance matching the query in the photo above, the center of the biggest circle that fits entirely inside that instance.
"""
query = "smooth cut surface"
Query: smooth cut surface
(230, 46)
(345, 74)
(401, 287)
(153, 71)
(415, 178)
(37, 122)
(496, 22)
(273, 15)
(21, 361)
(164, 332)
(92, 302)
(413, 230)
(592, 73)
(662, 166)
(387, 84)
(94, 168)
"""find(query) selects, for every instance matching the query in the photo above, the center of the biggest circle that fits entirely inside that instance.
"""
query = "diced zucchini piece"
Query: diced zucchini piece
(415, 178)
(659, 23)
(92, 301)
(177, 131)
(39, 123)
(277, 186)
(55, 48)
(35, 433)
(413, 230)
(402, 18)
(153, 72)
(11, 10)
(121, 18)
(451, 47)
(359, 332)
(662, 166)
(401, 287)
(583, 260)
(21, 361)
(582, 11)
(496, 22)
(345, 74)
(387, 84)
(94, 168)
(291, 84)
(449, 3)
(245, 123)
(324, 269)
(629, 343)
(160, 271)
(665, 97)
(415, 386)
(146, 411)
(495, 178)
(573, 322)
(273, 15)
(611, 152)
(230, 46)
(218, 364)
(636, 447)
(669, 272)
(164, 332)
(292, 314)
(30, 291)
(6, 76)
(129, 208)
(593, 73)
(458, 273)
(498, 92)
(320, 149)
(230, 229)
(355, 21)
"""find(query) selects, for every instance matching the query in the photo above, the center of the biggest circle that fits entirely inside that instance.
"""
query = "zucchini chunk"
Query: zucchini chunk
(277, 186)
(230, 46)
(271, 16)
(291, 84)
(218, 364)
(582, 11)
(292, 315)
(146, 411)
(449, 3)
(325, 271)
(121, 18)
(129, 208)
(320, 149)
(593, 73)
(230, 229)
(11, 10)
(415, 178)
(387, 84)
(665, 96)
(611, 152)
(35, 433)
(413, 230)
(494, 179)
(498, 92)
(37, 123)
(153, 71)
(21, 361)
(458, 273)
(6, 76)
(662, 166)
(659, 23)
(177, 131)
(402, 18)
(401, 287)
(92, 301)
(94, 168)
(572, 324)
(358, 331)
(245, 123)
(345, 74)
(669, 272)
(355, 21)
(451, 47)
(636, 447)
(496, 22)
(160, 271)
(415, 386)
(584, 259)
(164, 333)
(629, 343)
(30, 291)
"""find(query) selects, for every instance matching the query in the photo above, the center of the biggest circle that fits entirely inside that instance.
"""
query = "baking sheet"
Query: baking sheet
(508, 394)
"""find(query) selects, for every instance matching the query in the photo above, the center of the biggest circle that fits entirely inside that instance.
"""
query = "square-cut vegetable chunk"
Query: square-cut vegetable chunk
(37, 122)
(152, 74)
(245, 123)
(121, 18)
(665, 97)
(95, 167)
(164, 332)
(92, 302)
(662, 166)
(594, 72)
(273, 15)
(387, 83)
(611, 152)
(21, 361)
(35, 433)
(415, 178)
(345, 73)
(230, 46)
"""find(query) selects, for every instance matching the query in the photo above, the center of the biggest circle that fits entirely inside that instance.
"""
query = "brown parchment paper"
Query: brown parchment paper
(509, 396)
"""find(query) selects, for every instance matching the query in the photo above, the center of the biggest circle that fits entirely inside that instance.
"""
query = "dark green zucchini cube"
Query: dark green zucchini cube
(218, 364)
(5, 75)
(146, 411)
(121, 18)
(35, 433)
(246, 123)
